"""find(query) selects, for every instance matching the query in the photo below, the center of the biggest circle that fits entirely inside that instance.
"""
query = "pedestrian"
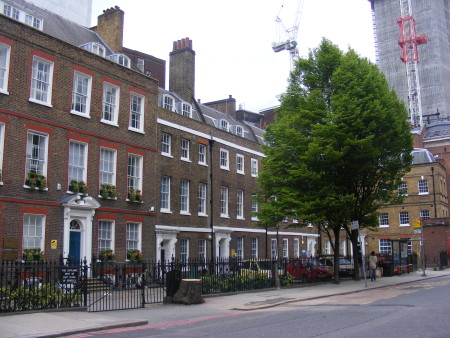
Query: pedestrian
(373, 260)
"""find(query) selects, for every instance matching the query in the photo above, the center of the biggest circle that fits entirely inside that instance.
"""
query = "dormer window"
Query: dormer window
(168, 102)
(121, 59)
(224, 125)
(11, 11)
(239, 131)
(95, 48)
(33, 21)
(186, 109)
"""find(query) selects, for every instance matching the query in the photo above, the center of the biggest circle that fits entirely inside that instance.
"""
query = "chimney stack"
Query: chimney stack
(110, 27)
(182, 69)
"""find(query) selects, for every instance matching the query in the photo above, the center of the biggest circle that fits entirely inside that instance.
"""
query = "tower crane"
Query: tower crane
(408, 42)
(286, 38)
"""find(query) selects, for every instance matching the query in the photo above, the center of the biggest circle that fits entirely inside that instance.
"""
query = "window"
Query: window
(254, 247)
(240, 204)
(81, 93)
(134, 236)
(240, 247)
(224, 125)
(105, 235)
(285, 248)
(296, 248)
(385, 246)
(328, 247)
(224, 162)
(343, 248)
(254, 167)
(240, 164)
(184, 197)
(186, 109)
(140, 64)
(136, 112)
(384, 220)
(184, 250)
(403, 189)
(41, 81)
(36, 160)
(107, 166)
(404, 218)
(202, 199)
(33, 231)
(134, 172)
(168, 102)
(254, 207)
(185, 145)
(5, 52)
(121, 59)
(274, 248)
(77, 161)
(202, 249)
(11, 11)
(239, 131)
(166, 144)
(423, 187)
(110, 103)
(2, 140)
(425, 214)
(165, 194)
(95, 48)
(223, 201)
(33, 21)
(202, 154)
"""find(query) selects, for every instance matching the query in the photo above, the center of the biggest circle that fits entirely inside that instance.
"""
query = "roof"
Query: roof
(422, 156)
(60, 27)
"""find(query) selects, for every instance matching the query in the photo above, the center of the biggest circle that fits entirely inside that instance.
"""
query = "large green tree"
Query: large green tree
(338, 148)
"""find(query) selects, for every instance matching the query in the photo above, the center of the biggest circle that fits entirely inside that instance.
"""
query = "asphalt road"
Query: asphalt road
(419, 309)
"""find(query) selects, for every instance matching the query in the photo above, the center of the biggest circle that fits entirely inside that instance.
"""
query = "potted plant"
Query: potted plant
(36, 181)
(135, 195)
(106, 255)
(33, 255)
(78, 187)
(108, 191)
(134, 255)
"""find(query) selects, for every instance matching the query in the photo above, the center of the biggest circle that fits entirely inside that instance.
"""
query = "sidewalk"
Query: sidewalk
(55, 324)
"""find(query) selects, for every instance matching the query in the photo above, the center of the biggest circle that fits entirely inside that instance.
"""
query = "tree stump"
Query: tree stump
(190, 292)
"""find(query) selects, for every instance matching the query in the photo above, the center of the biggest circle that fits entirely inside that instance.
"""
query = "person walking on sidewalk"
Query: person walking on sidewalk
(373, 260)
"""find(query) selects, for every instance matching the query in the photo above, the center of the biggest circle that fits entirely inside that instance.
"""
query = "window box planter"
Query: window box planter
(134, 255)
(135, 195)
(106, 255)
(33, 255)
(78, 187)
(36, 181)
(108, 191)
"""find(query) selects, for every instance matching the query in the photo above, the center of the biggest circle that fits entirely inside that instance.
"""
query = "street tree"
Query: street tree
(338, 148)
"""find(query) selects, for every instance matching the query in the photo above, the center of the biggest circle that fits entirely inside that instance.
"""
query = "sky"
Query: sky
(233, 39)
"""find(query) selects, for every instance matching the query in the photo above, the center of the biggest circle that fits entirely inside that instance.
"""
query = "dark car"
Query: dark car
(308, 270)
(345, 266)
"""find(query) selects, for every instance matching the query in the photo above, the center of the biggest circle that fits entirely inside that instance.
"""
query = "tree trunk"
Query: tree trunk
(336, 232)
(190, 292)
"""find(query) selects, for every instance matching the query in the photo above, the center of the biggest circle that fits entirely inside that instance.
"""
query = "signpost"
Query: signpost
(420, 228)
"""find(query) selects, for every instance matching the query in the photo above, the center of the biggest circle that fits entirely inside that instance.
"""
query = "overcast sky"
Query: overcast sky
(233, 39)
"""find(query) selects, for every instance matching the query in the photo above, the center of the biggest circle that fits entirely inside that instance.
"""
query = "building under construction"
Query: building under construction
(427, 34)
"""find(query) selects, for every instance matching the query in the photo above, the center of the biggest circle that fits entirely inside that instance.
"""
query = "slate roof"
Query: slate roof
(60, 27)
(422, 156)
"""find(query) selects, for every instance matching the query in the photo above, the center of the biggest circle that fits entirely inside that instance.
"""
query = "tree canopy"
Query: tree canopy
(339, 146)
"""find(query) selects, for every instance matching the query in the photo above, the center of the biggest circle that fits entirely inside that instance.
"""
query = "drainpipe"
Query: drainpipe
(434, 193)
(211, 211)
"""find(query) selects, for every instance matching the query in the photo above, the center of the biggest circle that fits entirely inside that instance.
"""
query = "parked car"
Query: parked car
(308, 270)
(345, 266)
(251, 267)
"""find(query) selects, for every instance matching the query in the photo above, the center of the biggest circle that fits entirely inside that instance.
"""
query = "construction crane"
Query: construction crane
(408, 42)
(286, 38)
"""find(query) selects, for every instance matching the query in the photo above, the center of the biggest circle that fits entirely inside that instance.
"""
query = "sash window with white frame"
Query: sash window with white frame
(240, 204)
(285, 248)
(110, 111)
(202, 154)
(240, 247)
(240, 164)
(185, 148)
(184, 250)
(33, 231)
(11, 11)
(136, 112)
(224, 159)
(134, 177)
(81, 93)
(134, 236)
(423, 187)
(274, 248)
(5, 53)
(254, 207)
(77, 161)
(254, 247)
(202, 199)
(107, 166)
(166, 144)
(105, 235)
(224, 202)
(2, 142)
(165, 194)
(37, 150)
(202, 249)
(254, 167)
(296, 248)
(184, 197)
(41, 81)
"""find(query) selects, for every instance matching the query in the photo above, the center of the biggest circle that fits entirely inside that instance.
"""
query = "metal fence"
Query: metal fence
(107, 285)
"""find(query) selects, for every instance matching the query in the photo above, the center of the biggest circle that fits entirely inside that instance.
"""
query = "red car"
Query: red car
(308, 270)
